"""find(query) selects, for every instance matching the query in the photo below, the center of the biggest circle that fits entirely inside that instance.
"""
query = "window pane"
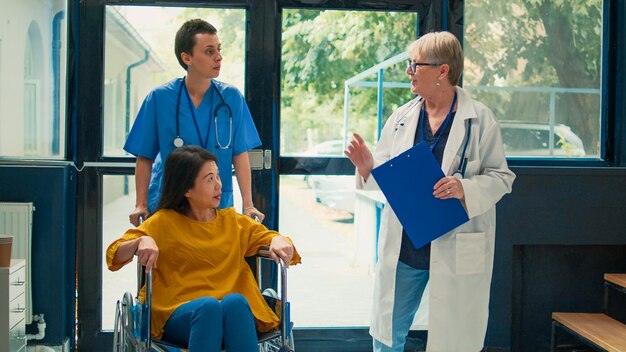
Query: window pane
(32, 78)
(537, 65)
(139, 56)
(118, 201)
(322, 98)
(335, 230)
(331, 62)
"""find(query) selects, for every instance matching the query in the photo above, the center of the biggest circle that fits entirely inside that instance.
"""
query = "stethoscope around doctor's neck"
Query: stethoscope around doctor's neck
(399, 122)
(178, 140)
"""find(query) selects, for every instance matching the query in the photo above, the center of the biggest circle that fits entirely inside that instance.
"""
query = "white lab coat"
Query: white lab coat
(462, 260)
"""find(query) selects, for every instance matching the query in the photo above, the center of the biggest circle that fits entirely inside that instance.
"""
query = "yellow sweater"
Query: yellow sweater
(198, 259)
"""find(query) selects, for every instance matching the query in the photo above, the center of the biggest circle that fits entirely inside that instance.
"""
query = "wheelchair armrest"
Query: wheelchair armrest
(264, 253)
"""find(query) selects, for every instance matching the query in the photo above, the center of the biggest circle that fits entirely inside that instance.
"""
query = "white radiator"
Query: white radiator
(16, 219)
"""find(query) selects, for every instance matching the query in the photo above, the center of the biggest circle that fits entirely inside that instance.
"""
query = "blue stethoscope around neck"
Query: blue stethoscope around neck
(463, 164)
(178, 140)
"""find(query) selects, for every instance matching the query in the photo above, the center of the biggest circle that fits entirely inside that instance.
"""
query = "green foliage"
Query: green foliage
(320, 51)
(230, 24)
(551, 43)
(537, 43)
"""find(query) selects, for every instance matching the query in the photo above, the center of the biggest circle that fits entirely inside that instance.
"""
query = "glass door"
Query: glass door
(310, 76)
(342, 71)
(138, 52)
(146, 34)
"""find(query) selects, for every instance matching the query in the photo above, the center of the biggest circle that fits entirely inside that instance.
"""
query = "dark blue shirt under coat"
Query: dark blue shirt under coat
(420, 258)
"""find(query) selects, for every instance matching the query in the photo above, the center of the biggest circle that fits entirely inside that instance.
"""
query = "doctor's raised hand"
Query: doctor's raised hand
(360, 155)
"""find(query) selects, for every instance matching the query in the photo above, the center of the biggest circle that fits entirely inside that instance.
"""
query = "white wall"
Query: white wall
(120, 51)
(15, 19)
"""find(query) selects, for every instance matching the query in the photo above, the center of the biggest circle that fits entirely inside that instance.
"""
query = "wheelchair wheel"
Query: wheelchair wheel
(128, 323)
(275, 345)
(117, 328)
(159, 348)
(290, 346)
(123, 330)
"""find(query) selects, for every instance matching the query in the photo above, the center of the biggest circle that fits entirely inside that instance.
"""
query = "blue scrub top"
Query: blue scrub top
(153, 132)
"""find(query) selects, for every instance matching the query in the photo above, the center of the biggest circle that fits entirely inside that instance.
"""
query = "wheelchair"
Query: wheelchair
(132, 318)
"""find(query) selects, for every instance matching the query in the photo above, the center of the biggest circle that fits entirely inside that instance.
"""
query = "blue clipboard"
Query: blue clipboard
(407, 182)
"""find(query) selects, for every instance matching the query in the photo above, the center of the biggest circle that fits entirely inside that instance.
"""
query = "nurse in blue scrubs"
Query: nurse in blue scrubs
(193, 110)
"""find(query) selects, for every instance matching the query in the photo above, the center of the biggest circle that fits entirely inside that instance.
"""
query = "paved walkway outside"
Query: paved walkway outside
(327, 290)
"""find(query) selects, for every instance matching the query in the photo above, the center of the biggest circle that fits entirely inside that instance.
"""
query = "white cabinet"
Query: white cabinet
(12, 307)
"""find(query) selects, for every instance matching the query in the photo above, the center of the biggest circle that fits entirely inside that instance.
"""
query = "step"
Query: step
(616, 279)
(598, 328)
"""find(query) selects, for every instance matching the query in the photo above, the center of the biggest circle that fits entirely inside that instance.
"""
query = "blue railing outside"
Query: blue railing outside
(359, 80)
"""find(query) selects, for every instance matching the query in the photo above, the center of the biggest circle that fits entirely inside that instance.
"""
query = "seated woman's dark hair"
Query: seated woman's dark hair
(181, 169)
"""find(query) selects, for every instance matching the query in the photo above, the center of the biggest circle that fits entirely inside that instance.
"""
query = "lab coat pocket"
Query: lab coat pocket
(470, 253)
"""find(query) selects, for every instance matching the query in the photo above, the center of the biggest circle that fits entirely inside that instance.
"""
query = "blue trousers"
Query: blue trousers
(410, 285)
(205, 323)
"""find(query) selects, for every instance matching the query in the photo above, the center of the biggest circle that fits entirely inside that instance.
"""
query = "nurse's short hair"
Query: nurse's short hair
(181, 169)
(186, 37)
(441, 48)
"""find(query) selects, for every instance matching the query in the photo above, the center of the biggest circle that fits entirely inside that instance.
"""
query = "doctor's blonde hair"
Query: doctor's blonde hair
(441, 48)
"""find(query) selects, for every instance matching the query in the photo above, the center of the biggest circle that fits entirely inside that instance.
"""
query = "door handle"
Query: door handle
(260, 159)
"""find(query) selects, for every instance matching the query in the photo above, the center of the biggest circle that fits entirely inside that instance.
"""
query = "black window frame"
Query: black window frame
(84, 138)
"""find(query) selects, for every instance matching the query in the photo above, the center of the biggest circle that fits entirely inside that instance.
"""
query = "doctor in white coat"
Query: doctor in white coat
(465, 138)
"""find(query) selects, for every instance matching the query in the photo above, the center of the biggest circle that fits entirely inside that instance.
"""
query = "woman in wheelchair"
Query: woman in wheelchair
(204, 293)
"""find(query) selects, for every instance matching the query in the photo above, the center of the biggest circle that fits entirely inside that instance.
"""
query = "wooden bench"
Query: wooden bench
(598, 330)
(618, 280)
(614, 303)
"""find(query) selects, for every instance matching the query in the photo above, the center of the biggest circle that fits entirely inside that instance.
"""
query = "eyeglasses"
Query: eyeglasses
(414, 65)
